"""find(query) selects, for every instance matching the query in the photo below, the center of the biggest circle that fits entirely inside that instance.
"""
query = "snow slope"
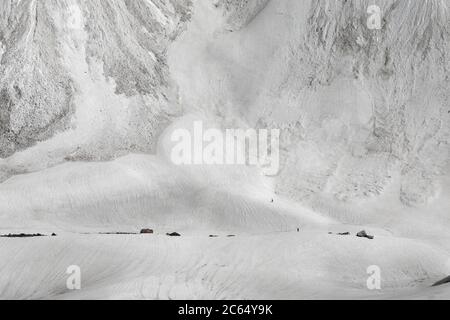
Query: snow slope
(266, 258)
(277, 266)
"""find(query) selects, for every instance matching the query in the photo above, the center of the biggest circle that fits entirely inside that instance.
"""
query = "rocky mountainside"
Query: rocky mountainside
(364, 112)
(93, 70)
(361, 111)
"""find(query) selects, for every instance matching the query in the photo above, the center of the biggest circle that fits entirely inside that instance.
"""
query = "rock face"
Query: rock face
(69, 66)
(363, 112)
(396, 123)
(35, 92)
(239, 13)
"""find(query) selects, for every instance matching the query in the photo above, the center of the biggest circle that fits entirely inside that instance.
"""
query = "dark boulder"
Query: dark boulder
(442, 282)
(363, 234)
(174, 234)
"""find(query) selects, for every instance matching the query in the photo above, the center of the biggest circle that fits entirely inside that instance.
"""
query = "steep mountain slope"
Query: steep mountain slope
(345, 96)
(84, 80)
(360, 109)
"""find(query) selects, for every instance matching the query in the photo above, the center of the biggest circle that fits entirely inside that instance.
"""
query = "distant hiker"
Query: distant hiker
(298, 229)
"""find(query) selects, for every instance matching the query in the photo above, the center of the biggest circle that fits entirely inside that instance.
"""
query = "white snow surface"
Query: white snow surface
(365, 147)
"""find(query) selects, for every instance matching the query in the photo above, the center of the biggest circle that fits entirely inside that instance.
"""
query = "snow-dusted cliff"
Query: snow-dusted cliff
(360, 109)
(84, 80)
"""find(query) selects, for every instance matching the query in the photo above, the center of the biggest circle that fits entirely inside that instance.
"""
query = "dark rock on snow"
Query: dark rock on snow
(174, 234)
(442, 282)
(22, 235)
(363, 234)
(117, 233)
